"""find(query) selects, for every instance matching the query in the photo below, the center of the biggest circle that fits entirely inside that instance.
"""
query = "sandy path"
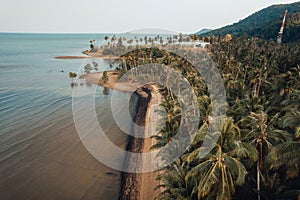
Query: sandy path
(148, 181)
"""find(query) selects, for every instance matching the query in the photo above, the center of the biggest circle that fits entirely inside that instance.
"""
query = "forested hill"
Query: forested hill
(266, 24)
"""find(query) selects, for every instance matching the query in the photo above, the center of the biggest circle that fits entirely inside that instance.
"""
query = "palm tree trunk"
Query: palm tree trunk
(259, 162)
(260, 155)
(258, 181)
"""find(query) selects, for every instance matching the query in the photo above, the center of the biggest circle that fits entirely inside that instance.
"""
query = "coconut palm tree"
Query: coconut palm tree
(264, 137)
(72, 75)
(220, 171)
(105, 77)
(175, 184)
(259, 152)
(106, 38)
(169, 129)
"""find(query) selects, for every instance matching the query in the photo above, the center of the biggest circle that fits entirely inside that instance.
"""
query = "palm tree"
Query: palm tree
(72, 75)
(175, 185)
(88, 68)
(263, 137)
(105, 77)
(292, 119)
(95, 66)
(262, 88)
(285, 154)
(106, 38)
(170, 127)
(180, 38)
(220, 171)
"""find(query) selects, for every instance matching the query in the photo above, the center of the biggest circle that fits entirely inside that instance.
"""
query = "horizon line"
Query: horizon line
(87, 33)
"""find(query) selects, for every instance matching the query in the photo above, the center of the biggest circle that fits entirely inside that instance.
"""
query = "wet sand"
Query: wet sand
(72, 57)
(113, 75)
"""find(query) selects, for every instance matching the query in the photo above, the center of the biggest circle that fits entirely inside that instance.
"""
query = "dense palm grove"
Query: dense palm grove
(257, 155)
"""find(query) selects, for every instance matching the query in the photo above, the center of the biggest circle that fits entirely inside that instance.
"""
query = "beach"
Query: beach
(141, 186)
(148, 181)
(137, 186)
(112, 82)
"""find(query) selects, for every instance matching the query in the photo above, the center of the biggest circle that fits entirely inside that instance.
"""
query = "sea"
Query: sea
(41, 154)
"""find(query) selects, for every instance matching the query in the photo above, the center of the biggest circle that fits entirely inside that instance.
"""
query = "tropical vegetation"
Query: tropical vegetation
(257, 155)
(265, 24)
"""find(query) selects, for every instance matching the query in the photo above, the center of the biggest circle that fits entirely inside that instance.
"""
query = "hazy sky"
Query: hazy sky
(99, 16)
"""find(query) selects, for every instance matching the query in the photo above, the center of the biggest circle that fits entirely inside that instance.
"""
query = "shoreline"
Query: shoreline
(88, 56)
(130, 181)
(135, 186)
(112, 82)
(71, 57)
(141, 186)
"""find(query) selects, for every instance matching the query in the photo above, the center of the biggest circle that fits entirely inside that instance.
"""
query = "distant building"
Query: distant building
(201, 44)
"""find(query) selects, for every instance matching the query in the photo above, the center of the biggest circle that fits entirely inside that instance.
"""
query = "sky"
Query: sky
(119, 16)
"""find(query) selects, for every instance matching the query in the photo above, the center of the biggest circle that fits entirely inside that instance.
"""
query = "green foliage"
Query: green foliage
(88, 68)
(260, 137)
(105, 77)
(72, 75)
(259, 140)
(266, 24)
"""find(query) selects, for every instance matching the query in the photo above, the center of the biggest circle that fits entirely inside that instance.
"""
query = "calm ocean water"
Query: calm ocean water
(41, 156)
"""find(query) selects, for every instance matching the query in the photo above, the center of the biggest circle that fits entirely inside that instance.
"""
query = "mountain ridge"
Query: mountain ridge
(203, 31)
(265, 24)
